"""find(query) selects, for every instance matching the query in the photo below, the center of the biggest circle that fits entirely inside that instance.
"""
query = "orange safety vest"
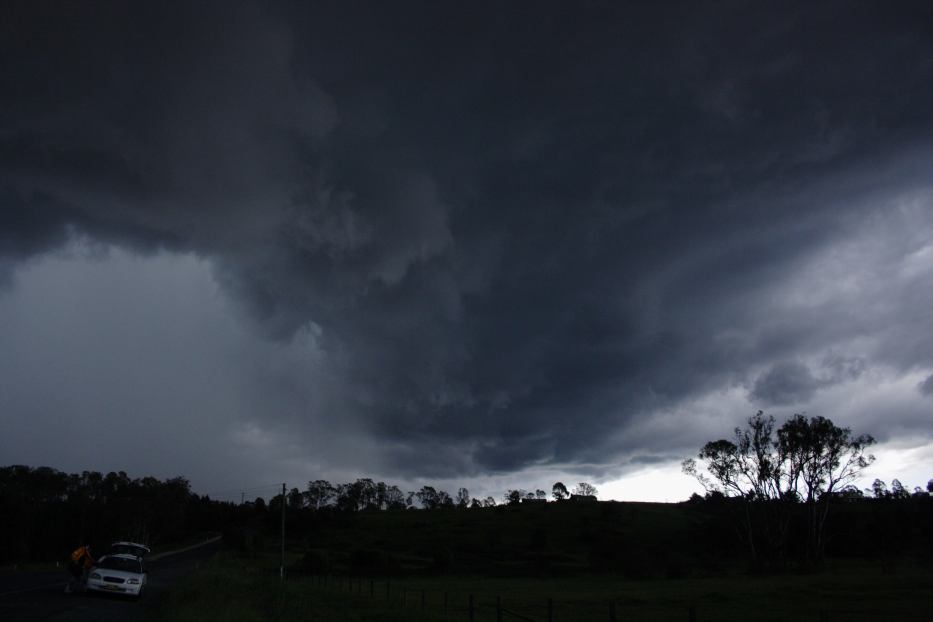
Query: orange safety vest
(78, 554)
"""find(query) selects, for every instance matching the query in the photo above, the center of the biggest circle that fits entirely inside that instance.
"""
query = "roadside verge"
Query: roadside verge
(159, 556)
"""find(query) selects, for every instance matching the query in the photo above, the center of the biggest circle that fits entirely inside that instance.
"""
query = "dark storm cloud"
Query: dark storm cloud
(785, 383)
(520, 231)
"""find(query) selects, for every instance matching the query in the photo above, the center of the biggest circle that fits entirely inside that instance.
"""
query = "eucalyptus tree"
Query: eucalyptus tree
(319, 493)
(559, 491)
(807, 460)
(821, 458)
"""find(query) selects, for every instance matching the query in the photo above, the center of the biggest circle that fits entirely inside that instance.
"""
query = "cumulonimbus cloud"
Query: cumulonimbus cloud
(513, 237)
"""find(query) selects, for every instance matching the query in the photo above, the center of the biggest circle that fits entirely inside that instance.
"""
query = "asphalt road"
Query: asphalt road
(40, 595)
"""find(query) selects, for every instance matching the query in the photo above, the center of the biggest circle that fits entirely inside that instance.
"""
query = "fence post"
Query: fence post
(471, 608)
(404, 596)
(824, 615)
(498, 609)
(692, 614)
(445, 603)
(612, 612)
(550, 610)
(387, 589)
(372, 588)
(422, 600)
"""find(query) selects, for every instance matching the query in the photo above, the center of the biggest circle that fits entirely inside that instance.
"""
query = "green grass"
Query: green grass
(30, 566)
(557, 539)
(234, 588)
(648, 562)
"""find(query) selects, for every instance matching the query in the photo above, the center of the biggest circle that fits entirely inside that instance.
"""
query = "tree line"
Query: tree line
(45, 512)
(364, 494)
(879, 490)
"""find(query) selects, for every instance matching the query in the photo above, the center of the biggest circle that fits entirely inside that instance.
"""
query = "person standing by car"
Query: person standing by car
(79, 564)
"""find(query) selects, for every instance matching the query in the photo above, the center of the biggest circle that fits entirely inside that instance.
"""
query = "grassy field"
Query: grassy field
(236, 588)
(576, 562)
(639, 539)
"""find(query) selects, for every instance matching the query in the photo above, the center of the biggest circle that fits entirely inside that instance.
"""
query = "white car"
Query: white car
(118, 574)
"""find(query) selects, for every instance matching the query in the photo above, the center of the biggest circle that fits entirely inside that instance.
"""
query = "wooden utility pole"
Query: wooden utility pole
(282, 567)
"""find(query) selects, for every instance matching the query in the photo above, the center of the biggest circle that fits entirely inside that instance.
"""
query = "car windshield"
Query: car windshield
(120, 563)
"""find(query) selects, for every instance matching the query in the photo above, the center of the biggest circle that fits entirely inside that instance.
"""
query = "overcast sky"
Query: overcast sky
(482, 244)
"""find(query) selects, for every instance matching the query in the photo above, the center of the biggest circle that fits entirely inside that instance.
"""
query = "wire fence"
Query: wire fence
(476, 607)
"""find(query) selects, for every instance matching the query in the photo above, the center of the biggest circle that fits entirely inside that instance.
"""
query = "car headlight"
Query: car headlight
(133, 581)
(94, 575)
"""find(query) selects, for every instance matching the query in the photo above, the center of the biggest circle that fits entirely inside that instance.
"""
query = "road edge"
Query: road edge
(159, 556)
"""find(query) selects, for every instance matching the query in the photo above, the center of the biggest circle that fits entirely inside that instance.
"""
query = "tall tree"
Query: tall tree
(513, 496)
(296, 500)
(395, 498)
(559, 491)
(428, 497)
(444, 500)
(808, 459)
(463, 498)
(898, 491)
(319, 494)
(821, 458)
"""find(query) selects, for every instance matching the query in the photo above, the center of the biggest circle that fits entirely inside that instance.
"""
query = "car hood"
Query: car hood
(120, 574)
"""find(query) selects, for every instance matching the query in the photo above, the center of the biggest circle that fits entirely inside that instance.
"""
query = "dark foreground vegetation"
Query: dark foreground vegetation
(236, 588)
(564, 560)
(45, 513)
(352, 556)
(635, 540)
